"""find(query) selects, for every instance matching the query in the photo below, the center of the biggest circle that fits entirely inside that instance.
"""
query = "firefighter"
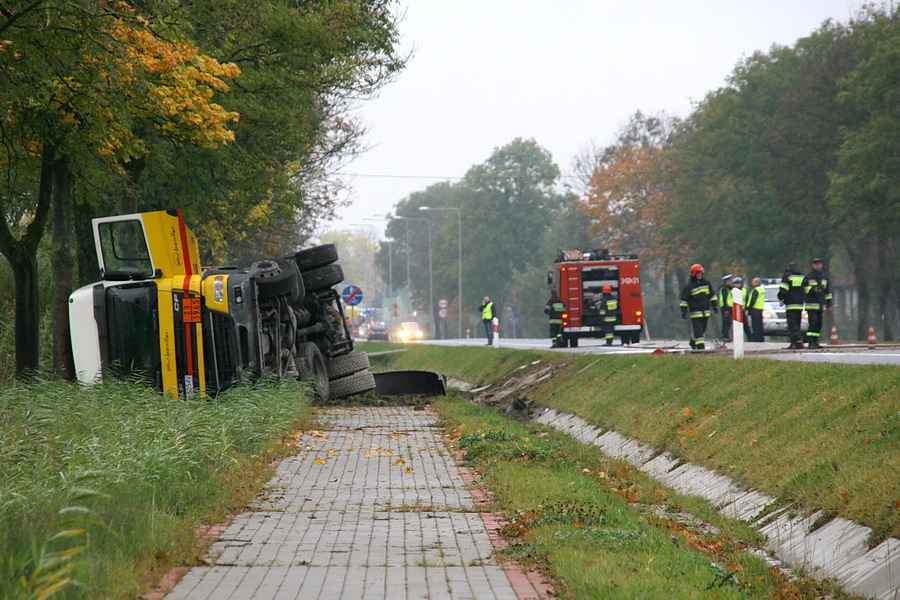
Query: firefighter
(487, 316)
(817, 297)
(608, 307)
(724, 297)
(698, 299)
(756, 302)
(555, 309)
(790, 295)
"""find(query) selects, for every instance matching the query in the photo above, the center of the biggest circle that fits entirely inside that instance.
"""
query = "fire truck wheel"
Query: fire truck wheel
(323, 277)
(352, 384)
(341, 366)
(573, 342)
(314, 369)
(315, 257)
(276, 277)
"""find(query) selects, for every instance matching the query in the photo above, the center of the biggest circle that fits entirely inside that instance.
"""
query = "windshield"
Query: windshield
(133, 340)
(771, 293)
(124, 247)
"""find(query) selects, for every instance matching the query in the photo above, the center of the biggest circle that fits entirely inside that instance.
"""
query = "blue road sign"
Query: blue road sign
(352, 295)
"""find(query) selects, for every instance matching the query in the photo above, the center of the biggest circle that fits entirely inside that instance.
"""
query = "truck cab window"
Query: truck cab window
(124, 247)
(133, 332)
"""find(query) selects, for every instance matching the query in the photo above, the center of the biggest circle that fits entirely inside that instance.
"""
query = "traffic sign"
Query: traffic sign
(442, 313)
(442, 303)
(352, 295)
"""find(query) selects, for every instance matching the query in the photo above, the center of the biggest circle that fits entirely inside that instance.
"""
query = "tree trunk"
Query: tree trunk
(22, 256)
(85, 251)
(61, 261)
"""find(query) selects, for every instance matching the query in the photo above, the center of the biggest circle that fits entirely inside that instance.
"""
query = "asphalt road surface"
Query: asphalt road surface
(861, 354)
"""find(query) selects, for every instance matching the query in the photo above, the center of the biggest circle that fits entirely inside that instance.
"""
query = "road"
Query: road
(879, 354)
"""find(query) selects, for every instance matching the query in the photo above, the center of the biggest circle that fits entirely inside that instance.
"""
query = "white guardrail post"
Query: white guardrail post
(737, 321)
(495, 322)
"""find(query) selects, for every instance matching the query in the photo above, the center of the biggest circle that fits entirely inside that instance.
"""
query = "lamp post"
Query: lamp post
(459, 255)
(430, 271)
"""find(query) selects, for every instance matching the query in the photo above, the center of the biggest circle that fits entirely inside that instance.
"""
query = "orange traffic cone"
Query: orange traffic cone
(834, 338)
(872, 339)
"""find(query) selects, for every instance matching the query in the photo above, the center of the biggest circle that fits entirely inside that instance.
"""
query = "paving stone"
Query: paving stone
(372, 506)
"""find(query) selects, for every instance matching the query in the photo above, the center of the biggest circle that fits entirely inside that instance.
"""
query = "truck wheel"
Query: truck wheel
(341, 366)
(277, 277)
(315, 370)
(323, 277)
(573, 342)
(315, 257)
(357, 383)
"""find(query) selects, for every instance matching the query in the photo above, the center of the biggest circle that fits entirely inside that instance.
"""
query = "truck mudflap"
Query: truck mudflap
(410, 383)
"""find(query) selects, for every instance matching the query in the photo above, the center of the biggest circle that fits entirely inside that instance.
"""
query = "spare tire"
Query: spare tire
(277, 277)
(341, 366)
(357, 383)
(315, 257)
(323, 278)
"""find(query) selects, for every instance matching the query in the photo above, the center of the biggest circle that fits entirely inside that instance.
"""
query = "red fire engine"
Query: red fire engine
(578, 277)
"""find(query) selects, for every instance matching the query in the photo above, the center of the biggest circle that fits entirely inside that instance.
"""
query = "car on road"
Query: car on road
(378, 331)
(410, 332)
(774, 313)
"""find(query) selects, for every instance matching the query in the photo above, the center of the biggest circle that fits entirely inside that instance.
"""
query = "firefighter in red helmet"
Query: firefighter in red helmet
(698, 300)
(608, 307)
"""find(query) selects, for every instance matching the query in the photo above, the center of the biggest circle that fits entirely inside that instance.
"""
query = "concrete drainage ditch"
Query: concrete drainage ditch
(835, 550)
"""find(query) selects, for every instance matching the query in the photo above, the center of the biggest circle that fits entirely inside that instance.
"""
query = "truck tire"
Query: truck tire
(314, 369)
(357, 383)
(573, 342)
(341, 366)
(323, 277)
(315, 257)
(277, 277)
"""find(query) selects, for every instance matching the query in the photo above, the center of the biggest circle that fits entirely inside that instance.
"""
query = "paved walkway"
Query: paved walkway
(373, 507)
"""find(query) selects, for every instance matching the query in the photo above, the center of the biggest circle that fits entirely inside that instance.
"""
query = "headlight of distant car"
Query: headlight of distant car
(419, 334)
(768, 314)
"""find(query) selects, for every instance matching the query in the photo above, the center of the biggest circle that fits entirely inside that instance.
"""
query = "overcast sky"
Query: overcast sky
(563, 72)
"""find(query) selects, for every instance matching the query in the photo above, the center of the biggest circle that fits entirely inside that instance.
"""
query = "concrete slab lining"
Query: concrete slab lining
(836, 549)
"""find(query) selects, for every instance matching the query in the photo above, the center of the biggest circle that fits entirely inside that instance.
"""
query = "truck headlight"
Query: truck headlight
(219, 289)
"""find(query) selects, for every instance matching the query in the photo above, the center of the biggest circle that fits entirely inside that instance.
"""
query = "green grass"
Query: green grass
(823, 436)
(585, 519)
(101, 488)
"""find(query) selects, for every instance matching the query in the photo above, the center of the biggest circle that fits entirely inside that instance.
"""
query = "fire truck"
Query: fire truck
(578, 278)
(157, 314)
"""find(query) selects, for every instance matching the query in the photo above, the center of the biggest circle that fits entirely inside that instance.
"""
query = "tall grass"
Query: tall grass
(100, 485)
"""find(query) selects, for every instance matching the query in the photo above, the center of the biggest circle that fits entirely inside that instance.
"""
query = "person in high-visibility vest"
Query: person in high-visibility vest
(487, 316)
(756, 302)
(698, 299)
(738, 282)
(555, 309)
(817, 300)
(790, 294)
(608, 307)
(725, 300)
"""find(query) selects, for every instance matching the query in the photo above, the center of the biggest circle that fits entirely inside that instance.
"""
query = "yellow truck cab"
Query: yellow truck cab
(157, 314)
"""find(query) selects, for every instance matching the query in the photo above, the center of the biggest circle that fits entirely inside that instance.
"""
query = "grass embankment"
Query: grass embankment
(588, 521)
(822, 436)
(101, 488)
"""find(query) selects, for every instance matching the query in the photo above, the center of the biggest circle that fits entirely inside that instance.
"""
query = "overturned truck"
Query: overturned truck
(157, 314)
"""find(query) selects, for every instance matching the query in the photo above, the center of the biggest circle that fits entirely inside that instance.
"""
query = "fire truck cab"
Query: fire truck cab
(578, 278)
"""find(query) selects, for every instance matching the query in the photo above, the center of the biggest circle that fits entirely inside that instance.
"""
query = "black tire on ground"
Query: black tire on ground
(360, 382)
(315, 257)
(573, 342)
(323, 278)
(314, 369)
(277, 277)
(341, 366)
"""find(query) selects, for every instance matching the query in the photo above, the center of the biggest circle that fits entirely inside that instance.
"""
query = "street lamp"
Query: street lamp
(430, 271)
(459, 255)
